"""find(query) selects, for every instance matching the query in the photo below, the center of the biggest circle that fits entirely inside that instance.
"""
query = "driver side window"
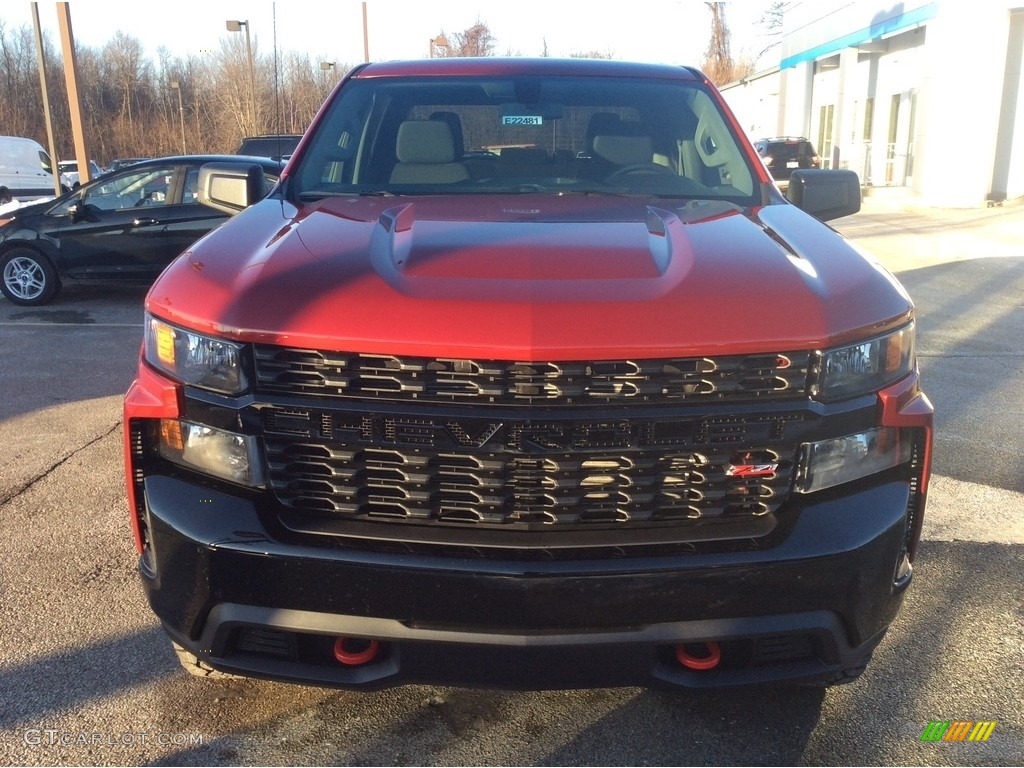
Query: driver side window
(133, 189)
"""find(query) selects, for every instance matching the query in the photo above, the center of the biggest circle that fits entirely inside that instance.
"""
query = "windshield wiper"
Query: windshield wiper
(321, 194)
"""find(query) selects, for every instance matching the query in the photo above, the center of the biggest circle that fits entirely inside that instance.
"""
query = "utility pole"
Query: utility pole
(67, 41)
(176, 86)
(366, 37)
(46, 100)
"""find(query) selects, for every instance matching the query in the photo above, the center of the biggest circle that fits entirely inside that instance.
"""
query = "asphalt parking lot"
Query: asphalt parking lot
(87, 676)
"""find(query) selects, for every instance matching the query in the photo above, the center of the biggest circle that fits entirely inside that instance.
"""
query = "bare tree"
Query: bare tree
(475, 41)
(718, 64)
(19, 82)
(238, 108)
(771, 22)
(132, 111)
(608, 54)
(308, 84)
(122, 65)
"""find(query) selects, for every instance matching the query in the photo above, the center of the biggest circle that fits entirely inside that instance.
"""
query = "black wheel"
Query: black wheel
(5, 196)
(194, 666)
(27, 277)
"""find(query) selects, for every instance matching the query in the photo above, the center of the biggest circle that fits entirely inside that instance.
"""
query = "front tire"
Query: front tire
(842, 677)
(27, 277)
(194, 666)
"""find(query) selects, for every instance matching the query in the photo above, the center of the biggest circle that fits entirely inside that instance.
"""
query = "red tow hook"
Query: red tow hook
(354, 651)
(699, 656)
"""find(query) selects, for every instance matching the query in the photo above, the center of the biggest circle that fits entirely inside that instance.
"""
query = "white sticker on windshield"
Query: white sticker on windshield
(522, 120)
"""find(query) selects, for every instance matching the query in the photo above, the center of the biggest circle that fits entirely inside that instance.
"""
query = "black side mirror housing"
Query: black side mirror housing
(230, 187)
(825, 194)
(82, 211)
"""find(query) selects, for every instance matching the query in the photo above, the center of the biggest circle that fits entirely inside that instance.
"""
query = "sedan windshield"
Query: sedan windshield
(488, 134)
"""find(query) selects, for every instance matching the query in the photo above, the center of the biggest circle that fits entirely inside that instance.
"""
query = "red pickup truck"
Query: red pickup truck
(527, 375)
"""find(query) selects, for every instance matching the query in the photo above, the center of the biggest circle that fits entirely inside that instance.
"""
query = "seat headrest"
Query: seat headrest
(424, 141)
(453, 121)
(624, 150)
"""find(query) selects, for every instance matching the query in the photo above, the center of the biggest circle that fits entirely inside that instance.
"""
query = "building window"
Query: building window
(890, 148)
(825, 134)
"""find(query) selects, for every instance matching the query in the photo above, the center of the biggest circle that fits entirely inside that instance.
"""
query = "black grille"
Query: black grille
(440, 380)
(528, 474)
(262, 640)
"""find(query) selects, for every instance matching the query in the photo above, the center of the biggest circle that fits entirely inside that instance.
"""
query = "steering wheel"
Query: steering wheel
(649, 169)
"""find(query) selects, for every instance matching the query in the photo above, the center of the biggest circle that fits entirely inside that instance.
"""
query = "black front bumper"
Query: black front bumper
(248, 600)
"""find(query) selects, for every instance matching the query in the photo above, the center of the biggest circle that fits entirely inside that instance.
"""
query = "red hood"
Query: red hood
(527, 277)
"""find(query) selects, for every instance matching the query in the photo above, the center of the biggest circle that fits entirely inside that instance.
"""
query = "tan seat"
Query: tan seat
(624, 150)
(426, 153)
(611, 144)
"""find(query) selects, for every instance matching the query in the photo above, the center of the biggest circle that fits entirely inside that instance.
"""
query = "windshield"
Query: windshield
(467, 135)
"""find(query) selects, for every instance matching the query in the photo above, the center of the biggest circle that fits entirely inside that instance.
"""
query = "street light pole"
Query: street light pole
(175, 85)
(236, 26)
(366, 37)
(327, 68)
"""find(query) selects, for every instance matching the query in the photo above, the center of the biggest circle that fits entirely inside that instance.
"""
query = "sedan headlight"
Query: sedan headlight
(192, 358)
(865, 367)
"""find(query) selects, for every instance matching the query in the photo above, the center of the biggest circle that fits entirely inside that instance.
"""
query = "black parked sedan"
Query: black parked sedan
(127, 225)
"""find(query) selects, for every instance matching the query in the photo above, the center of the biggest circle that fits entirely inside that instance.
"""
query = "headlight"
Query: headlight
(866, 367)
(217, 452)
(192, 358)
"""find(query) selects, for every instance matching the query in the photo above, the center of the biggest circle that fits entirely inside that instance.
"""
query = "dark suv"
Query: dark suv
(602, 408)
(786, 154)
(275, 146)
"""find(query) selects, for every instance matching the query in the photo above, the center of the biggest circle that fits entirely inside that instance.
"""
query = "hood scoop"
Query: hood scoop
(417, 255)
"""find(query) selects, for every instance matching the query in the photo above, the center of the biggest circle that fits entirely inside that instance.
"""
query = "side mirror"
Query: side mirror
(82, 211)
(230, 187)
(825, 194)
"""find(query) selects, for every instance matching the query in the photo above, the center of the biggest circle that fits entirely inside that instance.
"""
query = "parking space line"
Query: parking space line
(71, 325)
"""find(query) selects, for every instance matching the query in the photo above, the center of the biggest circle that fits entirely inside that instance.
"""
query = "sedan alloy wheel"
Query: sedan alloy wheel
(27, 277)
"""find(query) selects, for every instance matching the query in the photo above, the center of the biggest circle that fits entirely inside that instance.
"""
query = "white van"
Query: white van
(25, 170)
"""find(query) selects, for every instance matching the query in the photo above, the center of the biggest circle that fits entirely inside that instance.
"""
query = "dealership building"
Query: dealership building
(923, 98)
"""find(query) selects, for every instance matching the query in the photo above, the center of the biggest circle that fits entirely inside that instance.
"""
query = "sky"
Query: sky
(663, 31)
